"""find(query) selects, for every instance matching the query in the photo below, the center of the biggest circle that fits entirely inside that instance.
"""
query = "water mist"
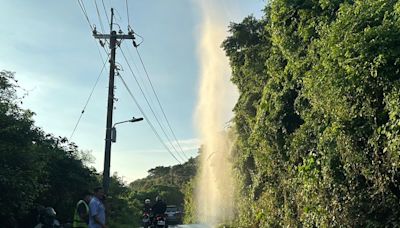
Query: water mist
(214, 193)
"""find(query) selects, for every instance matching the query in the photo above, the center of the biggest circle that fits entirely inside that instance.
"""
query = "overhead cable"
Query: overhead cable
(98, 15)
(140, 76)
(147, 119)
(88, 99)
(82, 6)
(159, 103)
(148, 103)
(105, 11)
(83, 9)
(127, 12)
(134, 64)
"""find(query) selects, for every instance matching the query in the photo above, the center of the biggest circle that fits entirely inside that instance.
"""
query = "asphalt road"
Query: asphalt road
(188, 226)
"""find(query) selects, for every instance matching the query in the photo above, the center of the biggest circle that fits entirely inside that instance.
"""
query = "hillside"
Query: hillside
(167, 182)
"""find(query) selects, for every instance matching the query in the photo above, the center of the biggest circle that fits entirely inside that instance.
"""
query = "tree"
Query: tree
(316, 120)
(168, 182)
(21, 173)
(35, 168)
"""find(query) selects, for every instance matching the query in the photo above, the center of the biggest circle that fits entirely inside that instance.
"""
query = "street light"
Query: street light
(114, 130)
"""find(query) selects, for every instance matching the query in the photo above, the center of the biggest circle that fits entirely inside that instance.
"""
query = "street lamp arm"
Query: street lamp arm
(131, 120)
(121, 122)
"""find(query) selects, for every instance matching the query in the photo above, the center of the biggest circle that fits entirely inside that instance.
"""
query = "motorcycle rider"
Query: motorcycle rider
(158, 208)
(147, 216)
(147, 206)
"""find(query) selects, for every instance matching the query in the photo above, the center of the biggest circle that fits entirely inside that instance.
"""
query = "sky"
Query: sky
(50, 47)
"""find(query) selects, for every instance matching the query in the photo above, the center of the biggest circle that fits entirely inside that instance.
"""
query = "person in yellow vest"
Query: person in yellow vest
(81, 216)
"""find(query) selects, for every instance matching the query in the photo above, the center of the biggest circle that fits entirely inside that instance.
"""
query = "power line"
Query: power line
(119, 15)
(88, 99)
(147, 119)
(151, 109)
(151, 100)
(98, 15)
(141, 78)
(105, 11)
(159, 103)
(127, 12)
(83, 9)
(82, 6)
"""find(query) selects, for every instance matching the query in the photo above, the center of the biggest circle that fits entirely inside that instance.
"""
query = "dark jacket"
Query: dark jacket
(147, 208)
(159, 207)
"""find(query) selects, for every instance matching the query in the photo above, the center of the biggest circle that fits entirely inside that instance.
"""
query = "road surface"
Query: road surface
(188, 226)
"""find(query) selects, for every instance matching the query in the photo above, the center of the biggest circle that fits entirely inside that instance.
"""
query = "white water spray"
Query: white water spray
(214, 193)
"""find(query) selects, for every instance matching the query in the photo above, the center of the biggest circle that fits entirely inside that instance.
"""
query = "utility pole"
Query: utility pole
(113, 37)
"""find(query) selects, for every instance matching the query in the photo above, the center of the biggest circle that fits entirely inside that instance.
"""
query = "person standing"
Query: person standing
(81, 216)
(97, 211)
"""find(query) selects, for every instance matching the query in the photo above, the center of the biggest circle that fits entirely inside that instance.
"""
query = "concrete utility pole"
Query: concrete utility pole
(113, 37)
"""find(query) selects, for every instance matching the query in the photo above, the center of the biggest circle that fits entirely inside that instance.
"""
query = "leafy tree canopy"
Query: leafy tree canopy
(317, 116)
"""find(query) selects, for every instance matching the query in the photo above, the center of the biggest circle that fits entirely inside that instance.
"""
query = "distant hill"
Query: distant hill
(167, 182)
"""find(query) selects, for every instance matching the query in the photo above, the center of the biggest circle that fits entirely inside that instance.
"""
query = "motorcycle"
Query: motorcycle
(146, 220)
(160, 221)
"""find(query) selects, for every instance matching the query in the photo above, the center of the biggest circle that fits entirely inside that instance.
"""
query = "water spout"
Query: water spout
(214, 193)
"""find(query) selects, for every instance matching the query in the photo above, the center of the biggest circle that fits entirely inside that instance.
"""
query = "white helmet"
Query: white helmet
(147, 201)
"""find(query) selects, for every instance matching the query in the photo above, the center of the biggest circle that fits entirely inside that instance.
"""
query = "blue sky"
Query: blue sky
(50, 47)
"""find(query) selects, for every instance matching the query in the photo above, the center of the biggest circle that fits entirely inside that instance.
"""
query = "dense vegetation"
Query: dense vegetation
(33, 164)
(318, 117)
(39, 169)
(317, 128)
(166, 182)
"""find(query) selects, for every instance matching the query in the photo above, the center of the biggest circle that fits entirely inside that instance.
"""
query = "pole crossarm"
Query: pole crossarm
(110, 36)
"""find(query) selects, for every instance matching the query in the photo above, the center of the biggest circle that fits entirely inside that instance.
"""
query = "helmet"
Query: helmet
(147, 201)
(50, 212)
(48, 216)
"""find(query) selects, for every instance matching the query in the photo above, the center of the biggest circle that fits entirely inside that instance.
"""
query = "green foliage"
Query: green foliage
(171, 183)
(121, 211)
(39, 169)
(189, 203)
(33, 164)
(317, 117)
